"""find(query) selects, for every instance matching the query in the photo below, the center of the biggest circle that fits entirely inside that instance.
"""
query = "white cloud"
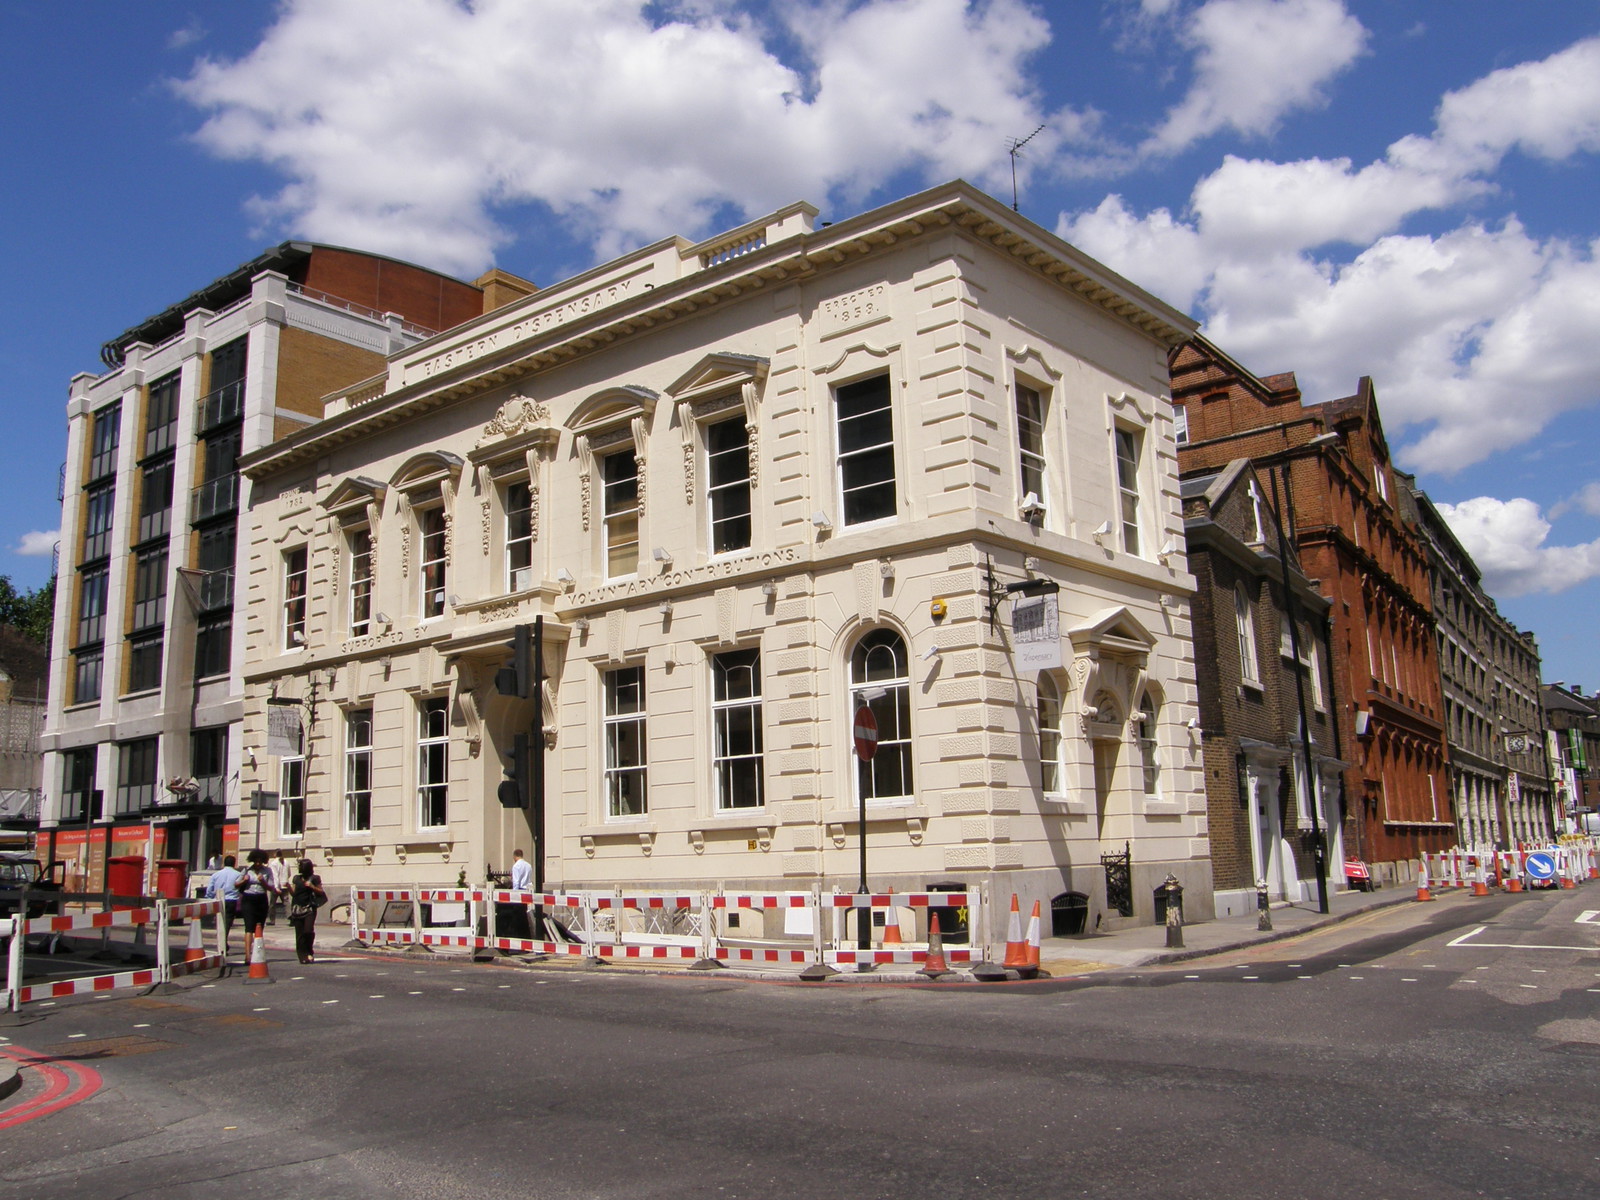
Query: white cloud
(1476, 337)
(411, 126)
(1586, 499)
(1257, 60)
(38, 543)
(1506, 538)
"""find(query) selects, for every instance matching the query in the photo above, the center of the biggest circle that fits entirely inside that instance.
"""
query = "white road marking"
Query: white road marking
(260, 1010)
(1589, 916)
(1408, 981)
(413, 993)
(1534, 986)
(143, 1025)
(1465, 940)
(77, 1035)
(330, 1002)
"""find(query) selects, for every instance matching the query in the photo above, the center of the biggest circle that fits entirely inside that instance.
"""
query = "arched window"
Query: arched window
(1149, 750)
(1049, 735)
(880, 678)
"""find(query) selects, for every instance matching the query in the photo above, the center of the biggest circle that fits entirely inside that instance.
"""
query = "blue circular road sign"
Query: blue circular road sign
(1540, 865)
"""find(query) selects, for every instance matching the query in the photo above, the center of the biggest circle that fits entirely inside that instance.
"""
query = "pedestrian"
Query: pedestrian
(224, 885)
(281, 871)
(521, 873)
(255, 892)
(305, 897)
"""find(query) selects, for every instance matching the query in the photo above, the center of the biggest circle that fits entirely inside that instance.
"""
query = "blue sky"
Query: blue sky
(1336, 187)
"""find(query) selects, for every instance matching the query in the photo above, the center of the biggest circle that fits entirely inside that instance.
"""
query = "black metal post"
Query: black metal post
(864, 913)
(1319, 852)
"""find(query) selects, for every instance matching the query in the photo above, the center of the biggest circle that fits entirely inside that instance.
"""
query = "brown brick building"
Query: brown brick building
(1329, 463)
(1266, 802)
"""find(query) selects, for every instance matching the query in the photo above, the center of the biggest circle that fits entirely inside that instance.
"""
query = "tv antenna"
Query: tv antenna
(1016, 145)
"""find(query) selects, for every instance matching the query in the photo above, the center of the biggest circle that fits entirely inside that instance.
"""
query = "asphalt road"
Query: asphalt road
(1426, 1051)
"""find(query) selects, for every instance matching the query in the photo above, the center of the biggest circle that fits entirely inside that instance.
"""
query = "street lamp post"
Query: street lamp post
(866, 741)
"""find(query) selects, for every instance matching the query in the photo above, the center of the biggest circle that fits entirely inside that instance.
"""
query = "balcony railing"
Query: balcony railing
(220, 407)
(19, 807)
(214, 497)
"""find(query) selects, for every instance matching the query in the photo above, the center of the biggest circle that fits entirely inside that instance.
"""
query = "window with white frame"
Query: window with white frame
(1049, 716)
(1030, 446)
(880, 678)
(1149, 749)
(728, 482)
(292, 797)
(1180, 424)
(1244, 618)
(866, 449)
(358, 771)
(619, 474)
(430, 523)
(358, 548)
(519, 536)
(1129, 444)
(433, 762)
(294, 598)
(736, 718)
(625, 743)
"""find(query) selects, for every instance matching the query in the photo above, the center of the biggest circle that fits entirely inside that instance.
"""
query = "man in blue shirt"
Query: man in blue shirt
(224, 886)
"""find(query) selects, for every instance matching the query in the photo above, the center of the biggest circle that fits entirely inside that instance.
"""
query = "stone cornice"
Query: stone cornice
(526, 338)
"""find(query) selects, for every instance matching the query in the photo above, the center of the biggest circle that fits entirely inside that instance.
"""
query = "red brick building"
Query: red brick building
(1328, 468)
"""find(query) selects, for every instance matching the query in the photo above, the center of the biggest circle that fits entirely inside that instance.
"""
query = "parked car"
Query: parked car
(20, 874)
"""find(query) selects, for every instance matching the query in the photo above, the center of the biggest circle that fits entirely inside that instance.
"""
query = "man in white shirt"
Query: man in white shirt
(521, 873)
(281, 870)
(224, 885)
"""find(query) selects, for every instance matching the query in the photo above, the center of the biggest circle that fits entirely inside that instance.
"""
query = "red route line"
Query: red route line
(68, 1083)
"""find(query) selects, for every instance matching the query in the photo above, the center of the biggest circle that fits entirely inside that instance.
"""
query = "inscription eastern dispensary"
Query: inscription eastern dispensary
(529, 326)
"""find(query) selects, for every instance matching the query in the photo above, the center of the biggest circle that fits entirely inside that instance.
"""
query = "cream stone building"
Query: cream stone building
(747, 487)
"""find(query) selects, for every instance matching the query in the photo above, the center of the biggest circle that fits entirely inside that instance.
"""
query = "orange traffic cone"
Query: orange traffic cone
(258, 959)
(1016, 949)
(891, 927)
(194, 949)
(1422, 884)
(935, 965)
(1480, 882)
(1031, 966)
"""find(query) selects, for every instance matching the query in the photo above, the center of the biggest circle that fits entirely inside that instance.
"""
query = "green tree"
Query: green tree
(31, 614)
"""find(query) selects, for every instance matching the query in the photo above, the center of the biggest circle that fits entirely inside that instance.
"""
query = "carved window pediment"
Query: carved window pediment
(716, 382)
(431, 472)
(354, 498)
(521, 425)
(614, 407)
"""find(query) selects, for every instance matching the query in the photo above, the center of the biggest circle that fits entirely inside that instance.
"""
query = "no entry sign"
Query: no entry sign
(866, 734)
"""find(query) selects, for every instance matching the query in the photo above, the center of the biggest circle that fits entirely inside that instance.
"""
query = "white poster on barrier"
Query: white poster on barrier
(1036, 633)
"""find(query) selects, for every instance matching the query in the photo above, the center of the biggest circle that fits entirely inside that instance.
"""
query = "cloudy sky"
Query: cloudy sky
(1336, 187)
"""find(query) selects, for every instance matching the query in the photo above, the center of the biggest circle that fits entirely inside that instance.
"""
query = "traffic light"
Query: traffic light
(517, 679)
(513, 790)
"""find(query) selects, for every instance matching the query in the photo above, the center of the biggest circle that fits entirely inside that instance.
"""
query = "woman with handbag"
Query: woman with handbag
(305, 897)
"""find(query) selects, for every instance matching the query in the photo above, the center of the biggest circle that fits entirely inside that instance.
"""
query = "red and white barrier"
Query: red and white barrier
(626, 926)
(157, 919)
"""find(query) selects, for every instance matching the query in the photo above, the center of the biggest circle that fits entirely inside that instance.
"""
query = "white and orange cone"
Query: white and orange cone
(935, 965)
(1480, 881)
(194, 949)
(1016, 948)
(1422, 883)
(258, 959)
(1035, 936)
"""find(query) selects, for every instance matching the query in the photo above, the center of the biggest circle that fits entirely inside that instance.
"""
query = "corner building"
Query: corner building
(1330, 465)
(142, 754)
(748, 486)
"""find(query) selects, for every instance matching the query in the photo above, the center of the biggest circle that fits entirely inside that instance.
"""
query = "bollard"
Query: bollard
(1174, 891)
(1263, 908)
